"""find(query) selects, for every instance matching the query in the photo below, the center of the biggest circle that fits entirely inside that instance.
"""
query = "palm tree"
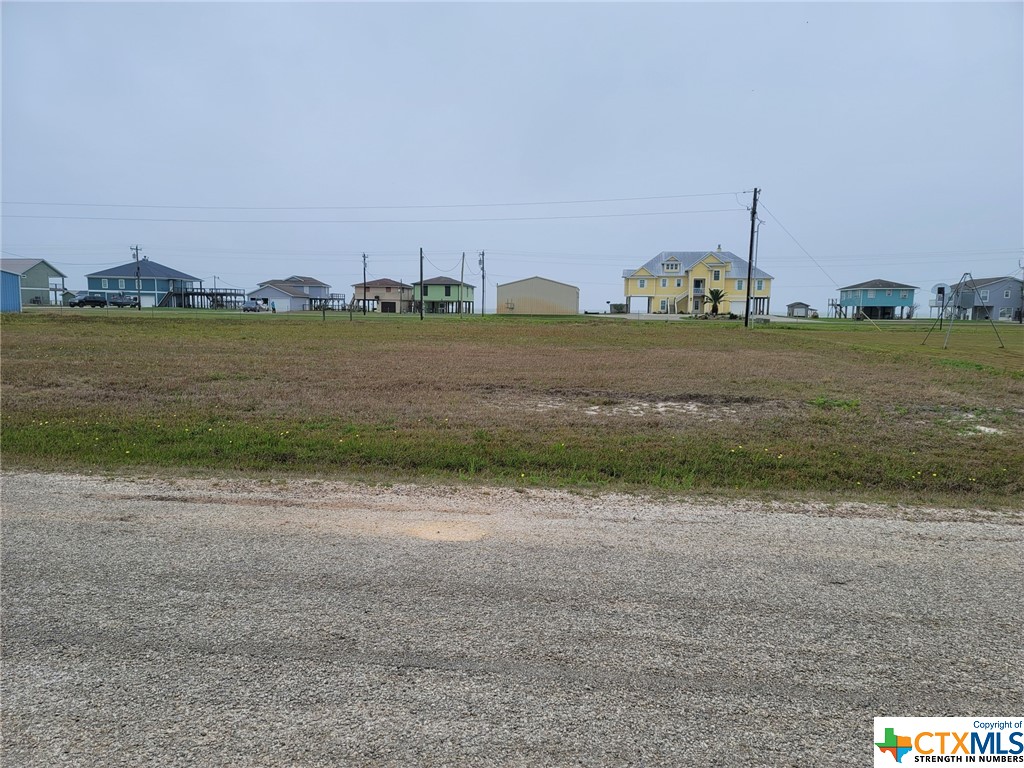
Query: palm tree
(715, 296)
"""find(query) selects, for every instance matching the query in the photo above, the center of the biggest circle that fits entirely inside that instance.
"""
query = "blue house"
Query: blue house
(160, 286)
(10, 291)
(878, 300)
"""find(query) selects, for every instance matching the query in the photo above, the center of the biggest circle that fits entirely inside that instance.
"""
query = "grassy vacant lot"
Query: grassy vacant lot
(812, 409)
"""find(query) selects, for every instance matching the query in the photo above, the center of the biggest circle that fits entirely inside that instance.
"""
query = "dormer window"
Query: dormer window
(671, 266)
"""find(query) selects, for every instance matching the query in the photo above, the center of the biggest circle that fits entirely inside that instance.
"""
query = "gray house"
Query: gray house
(800, 309)
(41, 282)
(995, 298)
(292, 294)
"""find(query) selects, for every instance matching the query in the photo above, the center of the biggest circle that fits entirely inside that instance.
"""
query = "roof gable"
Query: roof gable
(443, 281)
(304, 280)
(383, 282)
(298, 280)
(284, 290)
(146, 268)
(982, 282)
(687, 259)
(538, 277)
(21, 266)
(888, 284)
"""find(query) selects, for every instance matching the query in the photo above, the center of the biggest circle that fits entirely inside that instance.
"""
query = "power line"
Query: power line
(442, 271)
(765, 207)
(369, 221)
(544, 255)
(368, 207)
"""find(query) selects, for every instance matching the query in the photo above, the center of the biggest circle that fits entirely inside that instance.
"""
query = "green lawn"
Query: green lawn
(827, 409)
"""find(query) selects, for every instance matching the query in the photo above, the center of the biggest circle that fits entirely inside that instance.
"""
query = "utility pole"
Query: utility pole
(750, 257)
(483, 283)
(1020, 310)
(138, 281)
(421, 284)
(364, 284)
(462, 281)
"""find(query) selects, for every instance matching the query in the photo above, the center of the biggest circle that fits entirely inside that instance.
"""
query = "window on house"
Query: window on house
(679, 282)
(664, 282)
(387, 289)
(984, 295)
(871, 294)
(888, 293)
(716, 274)
(664, 305)
(1006, 313)
(641, 283)
(904, 294)
(103, 283)
(672, 266)
(120, 284)
(447, 290)
(426, 289)
(305, 289)
(1006, 293)
(759, 285)
(739, 285)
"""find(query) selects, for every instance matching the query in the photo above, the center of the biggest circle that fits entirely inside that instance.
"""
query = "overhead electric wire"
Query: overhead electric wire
(368, 207)
(768, 211)
(367, 221)
(442, 271)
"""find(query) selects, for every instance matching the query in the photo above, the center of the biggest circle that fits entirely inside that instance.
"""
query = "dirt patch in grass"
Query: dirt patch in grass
(604, 406)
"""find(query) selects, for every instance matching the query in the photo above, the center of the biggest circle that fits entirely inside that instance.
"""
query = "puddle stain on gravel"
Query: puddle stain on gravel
(443, 530)
(430, 530)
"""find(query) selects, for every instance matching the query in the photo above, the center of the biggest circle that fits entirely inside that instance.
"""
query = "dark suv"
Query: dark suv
(88, 299)
(121, 300)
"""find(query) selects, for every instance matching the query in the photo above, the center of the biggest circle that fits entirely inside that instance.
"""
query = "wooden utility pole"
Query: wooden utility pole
(421, 284)
(462, 281)
(138, 280)
(483, 283)
(364, 284)
(750, 257)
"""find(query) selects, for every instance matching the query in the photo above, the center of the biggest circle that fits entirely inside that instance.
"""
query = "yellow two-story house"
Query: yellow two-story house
(678, 282)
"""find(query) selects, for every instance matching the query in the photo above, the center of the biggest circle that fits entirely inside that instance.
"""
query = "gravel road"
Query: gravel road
(160, 622)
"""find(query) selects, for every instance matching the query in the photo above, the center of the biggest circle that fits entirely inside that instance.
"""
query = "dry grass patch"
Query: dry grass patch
(573, 402)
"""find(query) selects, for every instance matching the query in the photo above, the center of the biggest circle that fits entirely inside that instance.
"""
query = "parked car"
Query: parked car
(88, 299)
(254, 306)
(121, 300)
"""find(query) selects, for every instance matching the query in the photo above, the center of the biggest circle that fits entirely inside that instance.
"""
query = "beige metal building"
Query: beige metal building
(538, 296)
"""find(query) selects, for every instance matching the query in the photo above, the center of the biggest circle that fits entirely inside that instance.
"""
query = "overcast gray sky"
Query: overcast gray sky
(887, 139)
